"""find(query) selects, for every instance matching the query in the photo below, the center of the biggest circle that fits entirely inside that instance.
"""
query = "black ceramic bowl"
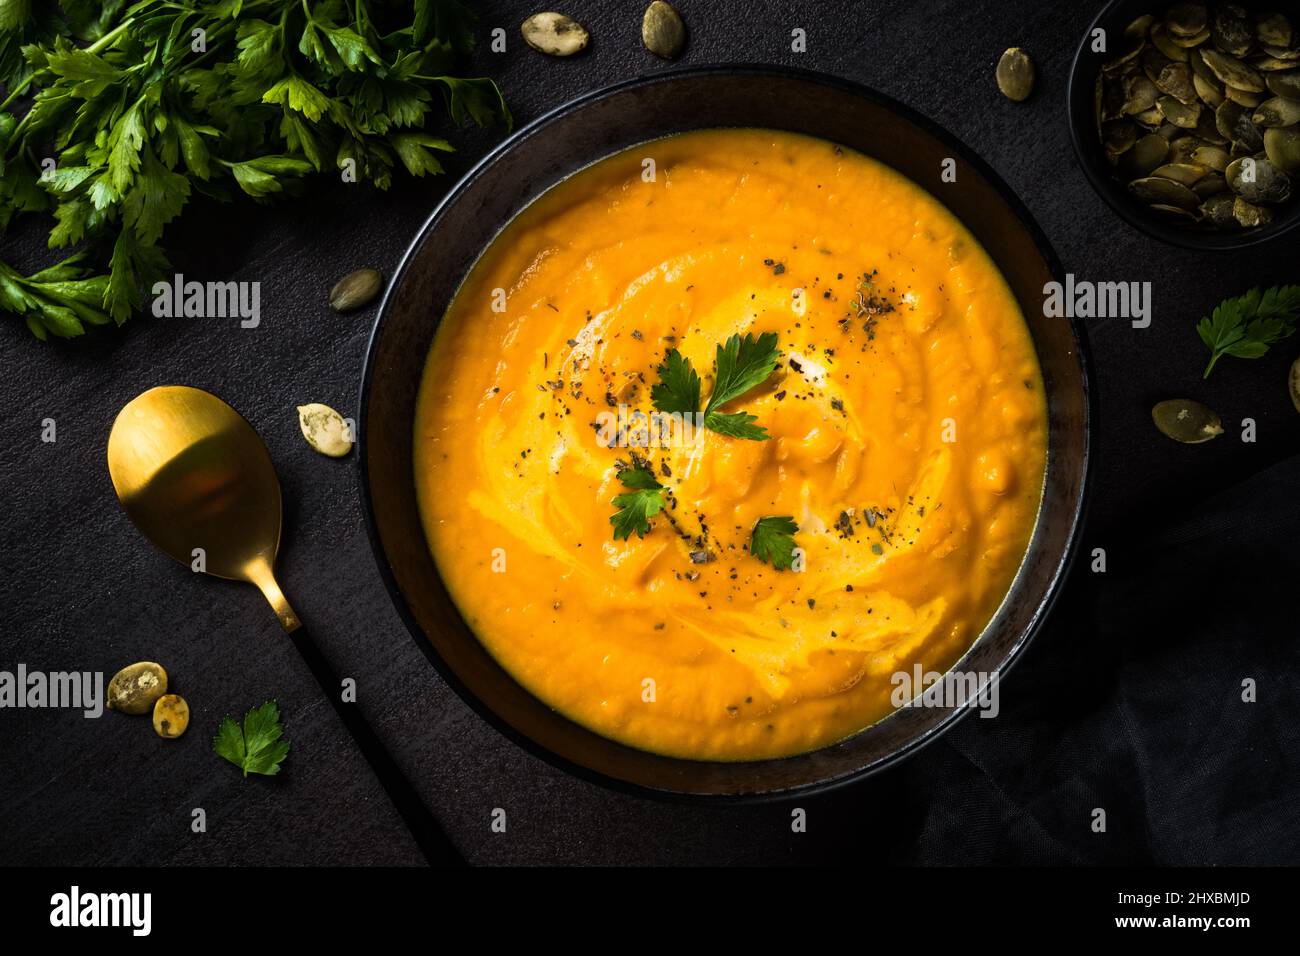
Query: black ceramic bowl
(547, 151)
(1114, 17)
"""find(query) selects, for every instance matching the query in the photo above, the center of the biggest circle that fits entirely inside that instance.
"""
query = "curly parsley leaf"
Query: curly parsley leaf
(637, 506)
(1246, 325)
(256, 747)
(772, 541)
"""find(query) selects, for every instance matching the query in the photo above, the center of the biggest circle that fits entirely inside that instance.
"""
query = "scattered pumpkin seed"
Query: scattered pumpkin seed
(324, 429)
(1294, 382)
(554, 34)
(135, 688)
(662, 30)
(1015, 74)
(1186, 421)
(356, 290)
(171, 715)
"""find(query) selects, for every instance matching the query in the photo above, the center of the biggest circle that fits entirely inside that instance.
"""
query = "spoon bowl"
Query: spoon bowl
(196, 479)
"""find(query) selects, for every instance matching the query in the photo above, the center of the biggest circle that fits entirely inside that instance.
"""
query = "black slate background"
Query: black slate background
(1136, 714)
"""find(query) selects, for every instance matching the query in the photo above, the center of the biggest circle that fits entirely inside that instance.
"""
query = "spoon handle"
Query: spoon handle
(428, 835)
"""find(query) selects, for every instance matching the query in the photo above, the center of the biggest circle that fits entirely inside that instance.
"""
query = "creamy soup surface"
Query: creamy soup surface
(906, 440)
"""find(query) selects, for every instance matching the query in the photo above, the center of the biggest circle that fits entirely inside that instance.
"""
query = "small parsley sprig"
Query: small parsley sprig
(772, 541)
(256, 747)
(1245, 326)
(742, 364)
(637, 506)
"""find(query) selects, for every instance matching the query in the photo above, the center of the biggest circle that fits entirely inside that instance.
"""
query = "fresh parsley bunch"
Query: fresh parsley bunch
(133, 108)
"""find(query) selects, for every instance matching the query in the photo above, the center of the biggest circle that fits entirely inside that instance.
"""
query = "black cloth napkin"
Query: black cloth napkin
(1130, 702)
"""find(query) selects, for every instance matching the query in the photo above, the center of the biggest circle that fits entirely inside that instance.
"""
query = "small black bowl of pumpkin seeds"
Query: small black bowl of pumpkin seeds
(1186, 118)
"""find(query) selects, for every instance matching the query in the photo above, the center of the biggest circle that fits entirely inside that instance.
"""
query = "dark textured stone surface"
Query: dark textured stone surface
(82, 590)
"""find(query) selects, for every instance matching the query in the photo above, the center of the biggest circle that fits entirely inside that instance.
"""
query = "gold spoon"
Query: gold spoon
(196, 479)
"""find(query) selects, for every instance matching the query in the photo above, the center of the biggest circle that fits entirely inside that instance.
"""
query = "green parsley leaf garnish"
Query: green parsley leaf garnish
(638, 506)
(256, 747)
(1245, 326)
(138, 122)
(741, 365)
(772, 541)
(678, 390)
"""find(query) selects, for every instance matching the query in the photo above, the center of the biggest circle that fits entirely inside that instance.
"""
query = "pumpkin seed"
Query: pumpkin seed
(1258, 181)
(1140, 95)
(1179, 113)
(1161, 40)
(1139, 27)
(1187, 19)
(356, 290)
(1242, 98)
(1272, 64)
(1147, 153)
(554, 34)
(1234, 124)
(1273, 29)
(1186, 421)
(325, 430)
(1232, 72)
(1217, 210)
(1185, 173)
(662, 30)
(1293, 381)
(1284, 84)
(1181, 149)
(135, 688)
(1209, 185)
(1015, 74)
(1249, 215)
(1155, 190)
(1176, 80)
(1119, 137)
(1282, 146)
(171, 715)
(1174, 212)
(1276, 112)
(1232, 31)
(1212, 157)
(1197, 63)
(1191, 41)
(1283, 53)
(1210, 93)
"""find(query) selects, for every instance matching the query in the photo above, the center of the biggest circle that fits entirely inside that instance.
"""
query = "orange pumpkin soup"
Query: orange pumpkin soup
(898, 427)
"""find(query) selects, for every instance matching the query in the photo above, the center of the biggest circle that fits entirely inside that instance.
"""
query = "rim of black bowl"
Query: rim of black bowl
(1087, 149)
(954, 715)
